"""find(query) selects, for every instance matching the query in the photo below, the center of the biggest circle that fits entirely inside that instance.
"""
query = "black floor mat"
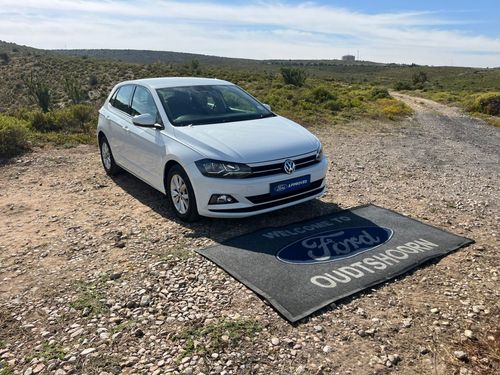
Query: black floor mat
(302, 267)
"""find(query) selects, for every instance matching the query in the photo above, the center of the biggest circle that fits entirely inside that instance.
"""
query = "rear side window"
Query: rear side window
(122, 98)
(143, 103)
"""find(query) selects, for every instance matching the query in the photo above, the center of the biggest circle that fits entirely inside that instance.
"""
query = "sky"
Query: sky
(458, 33)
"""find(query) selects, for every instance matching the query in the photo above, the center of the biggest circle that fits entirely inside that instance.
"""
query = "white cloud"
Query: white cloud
(254, 30)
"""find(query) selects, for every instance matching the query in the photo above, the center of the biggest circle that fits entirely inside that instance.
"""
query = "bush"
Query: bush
(379, 93)
(74, 90)
(4, 56)
(333, 105)
(419, 78)
(294, 76)
(93, 81)
(13, 136)
(320, 95)
(39, 92)
(488, 103)
(82, 114)
(67, 119)
(402, 85)
(393, 108)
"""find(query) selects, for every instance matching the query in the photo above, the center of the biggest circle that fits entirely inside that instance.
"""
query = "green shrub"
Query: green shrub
(379, 93)
(4, 56)
(403, 85)
(82, 114)
(488, 103)
(393, 109)
(93, 81)
(74, 90)
(320, 95)
(419, 78)
(13, 136)
(294, 76)
(39, 92)
(333, 105)
(44, 122)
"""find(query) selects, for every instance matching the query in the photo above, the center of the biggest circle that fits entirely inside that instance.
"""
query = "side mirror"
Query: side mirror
(268, 107)
(146, 121)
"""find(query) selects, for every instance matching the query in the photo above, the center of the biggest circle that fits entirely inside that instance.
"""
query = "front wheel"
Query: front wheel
(108, 162)
(181, 194)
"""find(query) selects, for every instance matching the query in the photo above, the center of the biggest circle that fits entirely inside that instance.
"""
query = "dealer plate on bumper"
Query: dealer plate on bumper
(292, 184)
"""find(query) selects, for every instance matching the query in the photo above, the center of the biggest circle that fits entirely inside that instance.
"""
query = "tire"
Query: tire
(180, 194)
(107, 159)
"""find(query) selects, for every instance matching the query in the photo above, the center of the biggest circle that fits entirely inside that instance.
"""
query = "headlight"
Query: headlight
(223, 169)
(319, 153)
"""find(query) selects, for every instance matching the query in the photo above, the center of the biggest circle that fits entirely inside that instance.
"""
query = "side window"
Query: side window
(143, 102)
(122, 98)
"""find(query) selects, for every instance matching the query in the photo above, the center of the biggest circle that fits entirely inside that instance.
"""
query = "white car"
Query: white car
(211, 147)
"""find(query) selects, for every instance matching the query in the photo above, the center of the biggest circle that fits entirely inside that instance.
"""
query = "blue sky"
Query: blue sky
(458, 32)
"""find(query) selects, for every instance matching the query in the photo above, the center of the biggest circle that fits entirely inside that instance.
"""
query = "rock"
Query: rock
(29, 371)
(86, 312)
(327, 348)
(60, 372)
(88, 351)
(38, 368)
(138, 333)
(275, 341)
(423, 350)
(468, 333)
(76, 333)
(435, 310)
(115, 275)
(394, 358)
(300, 370)
(318, 328)
(145, 300)
(215, 355)
(459, 354)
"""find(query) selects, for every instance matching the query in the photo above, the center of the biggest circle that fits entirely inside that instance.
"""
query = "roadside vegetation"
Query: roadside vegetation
(480, 101)
(53, 98)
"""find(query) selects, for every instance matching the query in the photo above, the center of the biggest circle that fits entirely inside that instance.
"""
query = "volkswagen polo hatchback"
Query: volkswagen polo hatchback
(211, 147)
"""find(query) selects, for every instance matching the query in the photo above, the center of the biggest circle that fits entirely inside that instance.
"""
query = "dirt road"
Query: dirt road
(96, 275)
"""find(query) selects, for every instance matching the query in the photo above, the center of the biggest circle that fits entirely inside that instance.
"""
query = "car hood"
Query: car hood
(250, 141)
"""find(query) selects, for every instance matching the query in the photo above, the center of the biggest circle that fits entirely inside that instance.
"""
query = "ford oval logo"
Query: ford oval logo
(281, 187)
(334, 245)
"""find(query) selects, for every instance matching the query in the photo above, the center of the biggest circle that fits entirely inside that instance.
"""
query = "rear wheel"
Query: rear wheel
(181, 194)
(108, 162)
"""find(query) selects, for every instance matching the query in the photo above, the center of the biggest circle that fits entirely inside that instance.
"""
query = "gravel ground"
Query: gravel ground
(98, 277)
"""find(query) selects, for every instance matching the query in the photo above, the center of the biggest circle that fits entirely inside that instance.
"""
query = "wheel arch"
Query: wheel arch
(168, 166)
(101, 135)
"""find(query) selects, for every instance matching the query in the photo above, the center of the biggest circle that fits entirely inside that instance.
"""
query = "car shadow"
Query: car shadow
(215, 228)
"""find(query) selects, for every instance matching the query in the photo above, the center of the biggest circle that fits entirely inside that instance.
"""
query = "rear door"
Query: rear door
(120, 121)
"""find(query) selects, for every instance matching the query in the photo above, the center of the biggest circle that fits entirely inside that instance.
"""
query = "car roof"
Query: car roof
(157, 83)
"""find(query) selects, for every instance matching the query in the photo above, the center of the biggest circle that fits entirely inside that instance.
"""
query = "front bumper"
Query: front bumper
(253, 194)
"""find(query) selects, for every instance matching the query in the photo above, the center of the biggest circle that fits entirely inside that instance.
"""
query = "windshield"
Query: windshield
(209, 104)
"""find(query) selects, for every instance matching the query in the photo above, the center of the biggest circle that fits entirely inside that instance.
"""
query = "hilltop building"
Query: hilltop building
(348, 58)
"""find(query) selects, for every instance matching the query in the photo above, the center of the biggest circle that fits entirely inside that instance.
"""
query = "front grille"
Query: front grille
(277, 168)
(263, 198)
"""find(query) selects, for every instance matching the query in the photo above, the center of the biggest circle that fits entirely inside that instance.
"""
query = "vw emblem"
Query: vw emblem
(289, 166)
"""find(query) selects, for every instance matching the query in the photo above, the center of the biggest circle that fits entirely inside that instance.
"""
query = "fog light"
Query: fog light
(221, 199)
